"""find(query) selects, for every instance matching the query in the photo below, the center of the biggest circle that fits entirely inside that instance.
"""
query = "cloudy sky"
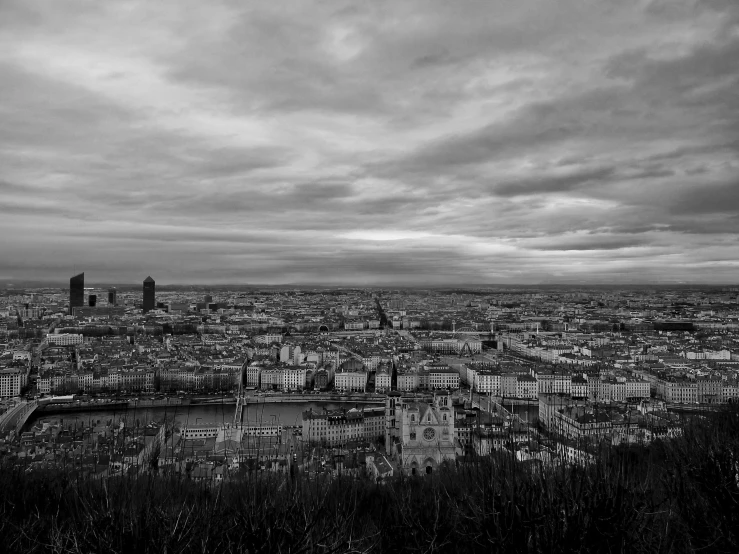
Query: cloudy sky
(370, 142)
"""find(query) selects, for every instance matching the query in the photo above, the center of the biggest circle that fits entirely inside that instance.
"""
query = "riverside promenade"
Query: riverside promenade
(304, 397)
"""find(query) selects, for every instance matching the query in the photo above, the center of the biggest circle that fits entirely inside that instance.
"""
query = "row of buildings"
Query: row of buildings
(587, 424)
(15, 371)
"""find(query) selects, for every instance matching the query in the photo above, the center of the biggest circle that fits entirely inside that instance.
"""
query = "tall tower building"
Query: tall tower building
(92, 300)
(112, 297)
(76, 292)
(149, 300)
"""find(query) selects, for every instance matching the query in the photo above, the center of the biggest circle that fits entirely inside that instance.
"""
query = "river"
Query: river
(285, 413)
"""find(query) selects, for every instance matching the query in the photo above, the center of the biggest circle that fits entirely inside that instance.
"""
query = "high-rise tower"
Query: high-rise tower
(76, 292)
(112, 297)
(149, 294)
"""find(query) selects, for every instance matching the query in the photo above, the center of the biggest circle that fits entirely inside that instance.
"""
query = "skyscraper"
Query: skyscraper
(76, 292)
(92, 300)
(149, 301)
(112, 297)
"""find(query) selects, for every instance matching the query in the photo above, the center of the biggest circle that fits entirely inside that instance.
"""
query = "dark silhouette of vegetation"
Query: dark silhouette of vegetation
(673, 496)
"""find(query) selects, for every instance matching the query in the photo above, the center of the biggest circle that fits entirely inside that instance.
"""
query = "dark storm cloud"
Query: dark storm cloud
(10, 188)
(711, 224)
(228, 162)
(592, 242)
(371, 142)
(39, 112)
(709, 199)
(554, 183)
(705, 78)
(269, 202)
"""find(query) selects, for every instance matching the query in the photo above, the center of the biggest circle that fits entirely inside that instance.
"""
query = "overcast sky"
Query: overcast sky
(370, 142)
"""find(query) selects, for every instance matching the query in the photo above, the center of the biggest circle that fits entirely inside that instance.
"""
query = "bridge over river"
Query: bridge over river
(15, 418)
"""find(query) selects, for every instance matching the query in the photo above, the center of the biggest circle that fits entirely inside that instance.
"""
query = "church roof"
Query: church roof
(425, 409)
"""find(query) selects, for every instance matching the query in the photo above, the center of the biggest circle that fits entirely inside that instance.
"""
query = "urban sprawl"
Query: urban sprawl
(415, 379)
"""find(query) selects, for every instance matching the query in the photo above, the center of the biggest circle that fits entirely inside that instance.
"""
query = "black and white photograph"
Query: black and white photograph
(381, 276)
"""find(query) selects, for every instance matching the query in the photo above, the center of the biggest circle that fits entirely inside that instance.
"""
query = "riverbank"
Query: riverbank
(171, 401)
(265, 399)
(49, 409)
(324, 397)
(285, 413)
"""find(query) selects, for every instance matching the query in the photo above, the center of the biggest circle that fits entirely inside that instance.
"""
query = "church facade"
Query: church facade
(419, 432)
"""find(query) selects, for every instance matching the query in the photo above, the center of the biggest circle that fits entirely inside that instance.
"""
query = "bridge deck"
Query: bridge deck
(15, 418)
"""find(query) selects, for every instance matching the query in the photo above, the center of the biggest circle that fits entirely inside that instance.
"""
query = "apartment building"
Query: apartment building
(553, 382)
(383, 380)
(64, 339)
(443, 379)
(487, 382)
(10, 382)
(350, 381)
(408, 381)
(341, 426)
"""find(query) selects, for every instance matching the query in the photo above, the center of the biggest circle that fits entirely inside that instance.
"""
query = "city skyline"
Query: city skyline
(388, 144)
(102, 285)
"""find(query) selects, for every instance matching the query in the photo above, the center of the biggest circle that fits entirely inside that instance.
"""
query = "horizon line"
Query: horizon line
(8, 282)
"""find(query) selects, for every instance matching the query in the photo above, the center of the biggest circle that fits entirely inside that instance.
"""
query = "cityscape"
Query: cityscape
(373, 382)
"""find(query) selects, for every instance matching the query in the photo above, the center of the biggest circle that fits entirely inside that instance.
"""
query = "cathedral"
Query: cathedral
(419, 431)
